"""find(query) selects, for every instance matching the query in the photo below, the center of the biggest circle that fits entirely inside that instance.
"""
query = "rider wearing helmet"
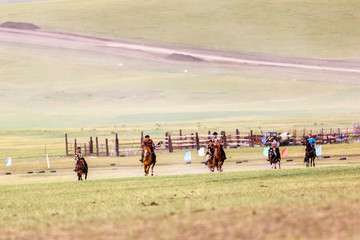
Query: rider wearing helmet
(218, 141)
(148, 142)
(78, 157)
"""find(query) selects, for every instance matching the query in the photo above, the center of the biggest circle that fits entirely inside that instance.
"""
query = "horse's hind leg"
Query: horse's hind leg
(86, 175)
(152, 169)
(279, 164)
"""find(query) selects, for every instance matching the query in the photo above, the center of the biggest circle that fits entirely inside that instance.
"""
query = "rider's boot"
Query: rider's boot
(142, 158)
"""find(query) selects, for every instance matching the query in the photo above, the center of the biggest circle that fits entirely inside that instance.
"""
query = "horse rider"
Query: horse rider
(78, 157)
(311, 140)
(274, 146)
(148, 142)
(219, 142)
(210, 151)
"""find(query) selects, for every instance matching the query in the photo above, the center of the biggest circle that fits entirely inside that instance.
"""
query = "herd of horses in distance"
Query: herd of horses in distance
(216, 161)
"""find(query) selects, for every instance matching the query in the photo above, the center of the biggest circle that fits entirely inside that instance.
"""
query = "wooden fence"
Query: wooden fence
(169, 143)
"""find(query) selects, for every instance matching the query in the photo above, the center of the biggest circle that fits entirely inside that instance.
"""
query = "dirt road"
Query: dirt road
(168, 53)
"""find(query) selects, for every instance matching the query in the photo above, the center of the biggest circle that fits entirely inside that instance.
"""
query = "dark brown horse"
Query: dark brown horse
(219, 158)
(148, 162)
(80, 170)
(273, 159)
(310, 154)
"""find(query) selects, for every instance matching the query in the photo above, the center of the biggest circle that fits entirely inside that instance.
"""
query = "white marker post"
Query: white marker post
(47, 159)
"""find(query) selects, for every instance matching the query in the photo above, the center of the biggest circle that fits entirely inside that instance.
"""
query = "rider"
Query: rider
(79, 156)
(274, 147)
(311, 140)
(210, 151)
(218, 141)
(148, 142)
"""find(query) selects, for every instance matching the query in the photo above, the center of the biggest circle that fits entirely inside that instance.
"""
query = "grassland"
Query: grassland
(289, 204)
(49, 88)
(325, 29)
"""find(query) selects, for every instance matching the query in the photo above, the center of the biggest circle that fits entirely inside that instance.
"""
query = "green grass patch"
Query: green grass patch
(183, 204)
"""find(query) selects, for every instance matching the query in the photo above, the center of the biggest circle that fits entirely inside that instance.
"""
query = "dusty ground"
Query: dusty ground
(159, 170)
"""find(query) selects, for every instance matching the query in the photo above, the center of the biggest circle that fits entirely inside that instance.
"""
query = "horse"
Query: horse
(80, 170)
(310, 154)
(219, 158)
(148, 162)
(273, 159)
(211, 163)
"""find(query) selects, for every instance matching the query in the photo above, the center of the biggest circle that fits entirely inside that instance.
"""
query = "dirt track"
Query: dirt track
(161, 53)
(159, 170)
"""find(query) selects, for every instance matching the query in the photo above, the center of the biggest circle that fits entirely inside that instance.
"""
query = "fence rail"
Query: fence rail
(169, 143)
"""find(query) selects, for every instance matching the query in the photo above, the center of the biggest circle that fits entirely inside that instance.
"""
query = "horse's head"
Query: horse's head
(147, 152)
(217, 150)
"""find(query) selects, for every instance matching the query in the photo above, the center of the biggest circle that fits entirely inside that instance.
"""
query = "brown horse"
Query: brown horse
(211, 162)
(80, 170)
(310, 155)
(148, 162)
(219, 158)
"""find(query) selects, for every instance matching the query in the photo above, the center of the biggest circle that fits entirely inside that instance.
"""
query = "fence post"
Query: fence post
(166, 138)
(107, 147)
(304, 133)
(180, 138)
(209, 133)
(142, 138)
(237, 138)
(75, 146)
(170, 144)
(251, 138)
(85, 150)
(197, 141)
(192, 140)
(97, 146)
(91, 150)
(66, 144)
(224, 138)
(116, 144)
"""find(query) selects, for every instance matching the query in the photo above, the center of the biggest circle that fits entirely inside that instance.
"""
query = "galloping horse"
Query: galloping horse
(219, 158)
(80, 170)
(273, 159)
(148, 162)
(310, 155)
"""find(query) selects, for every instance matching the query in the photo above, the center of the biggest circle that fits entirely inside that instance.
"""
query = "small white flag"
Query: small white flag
(187, 157)
(8, 162)
(202, 152)
(318, 151)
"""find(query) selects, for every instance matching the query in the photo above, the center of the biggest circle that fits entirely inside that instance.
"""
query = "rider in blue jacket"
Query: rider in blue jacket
(311, 140)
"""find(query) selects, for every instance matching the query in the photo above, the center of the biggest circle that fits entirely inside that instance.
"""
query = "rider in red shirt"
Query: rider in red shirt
(148, 142)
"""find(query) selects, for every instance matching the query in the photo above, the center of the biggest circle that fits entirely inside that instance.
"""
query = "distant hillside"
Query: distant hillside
(323, 29)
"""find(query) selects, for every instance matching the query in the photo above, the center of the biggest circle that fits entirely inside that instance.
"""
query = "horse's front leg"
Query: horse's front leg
(279, 164)
(145, 169)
